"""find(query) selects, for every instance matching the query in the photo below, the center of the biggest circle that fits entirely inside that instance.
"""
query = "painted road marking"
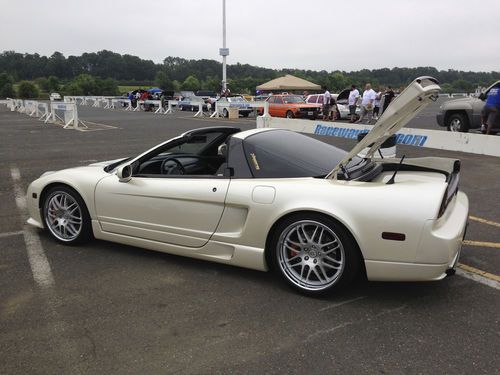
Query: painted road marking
(484, 221)
(478, 275)
(40, 266)
(10, 234)
(481, 244)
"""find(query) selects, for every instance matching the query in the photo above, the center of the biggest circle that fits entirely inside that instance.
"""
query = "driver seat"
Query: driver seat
(222, 151)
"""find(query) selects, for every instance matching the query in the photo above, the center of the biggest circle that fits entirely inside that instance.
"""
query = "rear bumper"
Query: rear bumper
(438, 252)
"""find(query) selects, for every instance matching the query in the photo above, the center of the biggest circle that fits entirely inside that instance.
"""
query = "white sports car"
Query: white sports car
(272, 198)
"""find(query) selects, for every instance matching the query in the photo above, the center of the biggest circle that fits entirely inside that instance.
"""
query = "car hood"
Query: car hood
(467, 100)
(420, 93)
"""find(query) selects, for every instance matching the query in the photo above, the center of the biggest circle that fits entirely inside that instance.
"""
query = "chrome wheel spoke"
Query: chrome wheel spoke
(330, 266)
(311, 255)
(63, 216)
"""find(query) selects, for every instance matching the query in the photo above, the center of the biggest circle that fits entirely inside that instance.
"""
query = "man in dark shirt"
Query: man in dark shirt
(388, 96)
(492, 108)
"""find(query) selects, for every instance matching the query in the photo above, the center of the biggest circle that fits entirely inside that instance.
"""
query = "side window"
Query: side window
(278, 100)
(321, 99)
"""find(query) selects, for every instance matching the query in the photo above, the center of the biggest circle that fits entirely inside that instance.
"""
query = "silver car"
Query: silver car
(464, 114)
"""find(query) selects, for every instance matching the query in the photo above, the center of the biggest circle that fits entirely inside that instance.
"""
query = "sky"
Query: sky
(317, 35)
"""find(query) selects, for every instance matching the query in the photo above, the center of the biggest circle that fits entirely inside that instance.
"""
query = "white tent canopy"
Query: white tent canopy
(288, 82)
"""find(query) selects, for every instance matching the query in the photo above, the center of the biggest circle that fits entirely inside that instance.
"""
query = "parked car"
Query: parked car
(319, 99)
(291, 106)
(55, 97)
(272, 198)
(191, 104)
(237, 102)
(343, 105)
(464, 114)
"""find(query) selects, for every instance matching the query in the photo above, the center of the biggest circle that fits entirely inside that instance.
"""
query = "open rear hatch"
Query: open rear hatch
(418, 95)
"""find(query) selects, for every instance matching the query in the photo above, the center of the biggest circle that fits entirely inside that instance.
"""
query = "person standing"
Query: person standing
(326, 104)
(353, 99)
(376, 104)
(491, 110)
(367, 101)
(388, 96)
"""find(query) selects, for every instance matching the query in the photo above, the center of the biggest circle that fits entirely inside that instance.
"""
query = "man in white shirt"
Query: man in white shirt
(353, 99)
(326, 104)
(369, 96)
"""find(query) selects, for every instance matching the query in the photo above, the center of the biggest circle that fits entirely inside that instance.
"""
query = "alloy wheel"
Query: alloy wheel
(311, 255)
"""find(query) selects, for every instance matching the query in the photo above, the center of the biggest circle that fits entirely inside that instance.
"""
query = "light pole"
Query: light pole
(224, 51)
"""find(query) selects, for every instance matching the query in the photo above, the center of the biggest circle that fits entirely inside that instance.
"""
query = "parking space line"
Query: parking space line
(478, 275)
(495, 245)
(10, 234)
(40, 267)
(484, 221)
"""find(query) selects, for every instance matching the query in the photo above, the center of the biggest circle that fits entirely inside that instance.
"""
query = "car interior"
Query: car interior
(195, 155)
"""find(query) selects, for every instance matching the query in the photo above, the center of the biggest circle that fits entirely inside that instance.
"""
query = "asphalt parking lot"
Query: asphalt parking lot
(117, 309)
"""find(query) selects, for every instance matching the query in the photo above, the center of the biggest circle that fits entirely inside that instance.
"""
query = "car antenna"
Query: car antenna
(391, 181)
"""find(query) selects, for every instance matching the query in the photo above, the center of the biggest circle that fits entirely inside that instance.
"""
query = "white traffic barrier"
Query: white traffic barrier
(436, 139)
(156, 103)
(459, 95)
(127, 102)
(19, 106)
(170, 105)
(138, 105)
(43, 111)
(69, 112)
(31, 108)
(200, 110)
(219, 107)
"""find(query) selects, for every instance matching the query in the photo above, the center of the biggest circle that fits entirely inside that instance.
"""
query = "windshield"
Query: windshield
(293, 99)
(238, 99)
(283, 153)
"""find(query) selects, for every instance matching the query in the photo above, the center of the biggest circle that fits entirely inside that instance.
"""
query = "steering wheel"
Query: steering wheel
(172, 166)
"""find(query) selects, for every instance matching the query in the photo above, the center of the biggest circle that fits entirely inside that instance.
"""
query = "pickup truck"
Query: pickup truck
(464, 114)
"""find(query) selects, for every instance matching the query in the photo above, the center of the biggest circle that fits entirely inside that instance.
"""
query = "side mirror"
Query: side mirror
(482, 96)
(124, 173)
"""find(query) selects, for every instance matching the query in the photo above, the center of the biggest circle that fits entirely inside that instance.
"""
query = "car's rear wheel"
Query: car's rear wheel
(225, 113)
(66, 216)
(458, 122)
(314, 254)
(289, 114)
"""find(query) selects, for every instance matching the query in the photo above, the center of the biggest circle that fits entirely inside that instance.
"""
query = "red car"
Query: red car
(292, 106)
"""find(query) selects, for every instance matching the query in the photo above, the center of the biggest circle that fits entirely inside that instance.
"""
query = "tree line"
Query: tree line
(100, 73)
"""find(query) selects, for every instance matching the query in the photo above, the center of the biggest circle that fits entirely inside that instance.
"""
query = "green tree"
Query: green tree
(72, 88)
(42, 83)
(28, 90)
(87, 84)
(6, 86)
(191, 83)
(107, 86)
(163, 81)
(53, 84)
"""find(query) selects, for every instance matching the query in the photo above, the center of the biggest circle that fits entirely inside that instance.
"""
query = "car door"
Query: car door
(179, 209)
(279, 110)
(175, 210)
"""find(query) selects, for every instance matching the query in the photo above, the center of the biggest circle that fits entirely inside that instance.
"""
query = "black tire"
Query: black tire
(225, 113)
(289, 114)
(458, 122)
(72, 231)
(323, 249)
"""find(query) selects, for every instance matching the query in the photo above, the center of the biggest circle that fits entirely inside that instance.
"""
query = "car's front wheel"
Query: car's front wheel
(458, 122)
(289, 114)
(66, 216)
(314, 254)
